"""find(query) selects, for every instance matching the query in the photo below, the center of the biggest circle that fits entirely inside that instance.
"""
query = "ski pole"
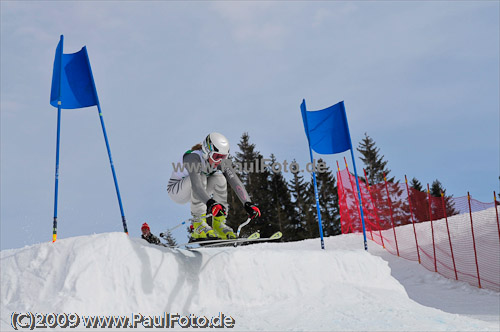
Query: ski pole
(185, 221)
(241, 226)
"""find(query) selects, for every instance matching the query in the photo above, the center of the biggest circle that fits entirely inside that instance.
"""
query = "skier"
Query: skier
(147, 235)
(202, 180)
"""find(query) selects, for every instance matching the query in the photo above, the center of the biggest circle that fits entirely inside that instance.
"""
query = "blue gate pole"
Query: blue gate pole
(54, 227)
(124, 222)
(58, 140)
(320, 224)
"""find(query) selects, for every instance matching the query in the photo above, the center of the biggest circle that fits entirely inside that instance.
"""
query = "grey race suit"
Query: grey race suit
(197, 182)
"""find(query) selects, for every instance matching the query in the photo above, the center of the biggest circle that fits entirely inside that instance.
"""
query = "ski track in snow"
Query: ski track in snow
(269, 286)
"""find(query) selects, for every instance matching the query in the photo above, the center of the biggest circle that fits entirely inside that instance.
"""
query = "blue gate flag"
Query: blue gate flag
(327, 129)
(328, 133)
(72, 81)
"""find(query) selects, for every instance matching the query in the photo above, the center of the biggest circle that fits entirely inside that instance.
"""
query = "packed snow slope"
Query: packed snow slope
(271, 286)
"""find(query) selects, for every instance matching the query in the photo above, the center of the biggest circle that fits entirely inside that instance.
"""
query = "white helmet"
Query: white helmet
(215, 146)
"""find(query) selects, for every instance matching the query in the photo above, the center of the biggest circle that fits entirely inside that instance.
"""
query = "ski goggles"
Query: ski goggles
(217, 156)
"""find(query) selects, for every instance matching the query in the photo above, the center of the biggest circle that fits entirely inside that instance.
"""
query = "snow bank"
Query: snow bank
(278, 286)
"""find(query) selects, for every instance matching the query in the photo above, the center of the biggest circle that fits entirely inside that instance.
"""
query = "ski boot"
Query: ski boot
(201, 231)
(221, 229)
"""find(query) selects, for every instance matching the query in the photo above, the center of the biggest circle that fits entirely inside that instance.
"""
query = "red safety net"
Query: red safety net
(438, 232)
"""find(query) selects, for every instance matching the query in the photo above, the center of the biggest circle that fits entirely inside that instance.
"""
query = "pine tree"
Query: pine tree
(170, 239)
(399, 203)
(259, 189)
(241, 161)
(436, 189)
(299, 191)
(312, 224)
(236, 213)
(245, 159)
(415, 184)
(419, 206)
(420, 209)
(282, 206)
(255, 178)
(376, 169)
(374, 163)
(329, 201)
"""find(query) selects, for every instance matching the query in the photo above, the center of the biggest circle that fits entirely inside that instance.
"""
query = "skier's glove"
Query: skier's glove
(252, 210)
(215, 209)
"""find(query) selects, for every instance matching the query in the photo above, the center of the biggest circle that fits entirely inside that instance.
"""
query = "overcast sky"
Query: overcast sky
(421, 78)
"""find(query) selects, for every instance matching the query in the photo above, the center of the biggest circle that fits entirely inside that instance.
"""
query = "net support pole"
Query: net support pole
(474, 241)
(365, 242)
(432, 228)
(389, 202)
(449, 237)
(358, 201)
(496, 211)
(377, 214)
(412, 219)
(347, 223)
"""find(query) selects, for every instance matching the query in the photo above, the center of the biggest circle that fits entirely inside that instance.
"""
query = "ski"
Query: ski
(255, 237)
(202, 243)
(235, 242)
